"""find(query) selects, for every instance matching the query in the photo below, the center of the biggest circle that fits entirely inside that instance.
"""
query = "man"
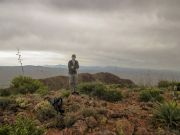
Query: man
(73, 66)
(175, 92)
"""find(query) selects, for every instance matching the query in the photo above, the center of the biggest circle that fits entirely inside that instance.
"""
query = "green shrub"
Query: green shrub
(5, 130)
(176, 95)
(66, 93)
(112, 96)
(59, 122)
(168, 114)
(102, 111)
(99, 90)
(88, 88)
(44, 111)
(43, 90)
(151, 95)
(24, 84)
(123, 85)
(5, 102)
(25, 126)
(69, 120)
(5, 92)
(164, 84)
(74, 107)
(22, 102)
(87, 112)
(22, 126)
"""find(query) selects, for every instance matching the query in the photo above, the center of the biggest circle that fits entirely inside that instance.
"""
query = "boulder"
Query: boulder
(80, 126)
(141, 131)
(115, 115)
(124, 127)
(91, 122)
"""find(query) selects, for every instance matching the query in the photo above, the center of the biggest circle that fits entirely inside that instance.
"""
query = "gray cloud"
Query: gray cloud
(133, 33)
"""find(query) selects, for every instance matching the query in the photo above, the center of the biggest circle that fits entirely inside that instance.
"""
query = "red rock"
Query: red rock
(124, 127)
(91, 122)
(80, 126)
(141, 131)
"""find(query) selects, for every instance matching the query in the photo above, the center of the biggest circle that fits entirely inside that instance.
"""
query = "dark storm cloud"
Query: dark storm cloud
(135, 33)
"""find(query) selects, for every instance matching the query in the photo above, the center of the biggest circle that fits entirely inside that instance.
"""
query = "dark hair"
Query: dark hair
(74, 55)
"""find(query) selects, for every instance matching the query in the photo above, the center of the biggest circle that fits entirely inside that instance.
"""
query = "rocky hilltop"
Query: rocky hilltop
(114, 107)
(59, 82)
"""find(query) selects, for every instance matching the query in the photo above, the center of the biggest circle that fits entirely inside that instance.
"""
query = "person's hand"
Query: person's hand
(72, 67)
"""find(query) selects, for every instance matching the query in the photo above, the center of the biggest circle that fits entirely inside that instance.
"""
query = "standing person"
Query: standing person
(73, 66)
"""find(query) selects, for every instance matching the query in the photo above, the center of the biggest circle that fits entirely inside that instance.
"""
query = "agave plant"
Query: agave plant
(168, 114)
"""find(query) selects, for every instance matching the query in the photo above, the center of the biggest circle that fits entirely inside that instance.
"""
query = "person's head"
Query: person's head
(73, 57)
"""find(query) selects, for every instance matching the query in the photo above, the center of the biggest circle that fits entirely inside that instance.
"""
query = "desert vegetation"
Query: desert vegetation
(22, 126)
(23, 85)
(101, 108)
(100, 91)
(168, 114)
(151, 95)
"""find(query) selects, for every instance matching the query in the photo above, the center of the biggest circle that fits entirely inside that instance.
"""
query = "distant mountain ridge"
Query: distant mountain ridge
(139, 76)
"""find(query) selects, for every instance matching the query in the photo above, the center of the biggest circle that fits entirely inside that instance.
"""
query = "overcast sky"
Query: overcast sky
(125, 33)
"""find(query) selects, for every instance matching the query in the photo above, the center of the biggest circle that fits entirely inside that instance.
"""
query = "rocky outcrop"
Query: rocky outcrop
(56, 83)
(59, 82)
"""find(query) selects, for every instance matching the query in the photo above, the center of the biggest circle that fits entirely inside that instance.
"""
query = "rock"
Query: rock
(8, 120)
(13, 107)
(70, 131)
(1, 120)
(23, 114)
(104, 132)
(145, 108)
(1, 113)
(91, 122)
(103, 120)
(50, 124)
(104, 104)
(150, 104)
(53, 132)
(80, 127)
(161, 131)
(118, 115)
(141, 131)
(124, 127)
(37, 122)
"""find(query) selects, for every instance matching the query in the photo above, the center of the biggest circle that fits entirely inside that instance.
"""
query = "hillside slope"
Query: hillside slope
(58, 82)
(88, 115)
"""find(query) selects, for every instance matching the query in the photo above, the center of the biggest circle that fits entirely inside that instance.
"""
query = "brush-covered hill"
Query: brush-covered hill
(108, 108)
(59, 82)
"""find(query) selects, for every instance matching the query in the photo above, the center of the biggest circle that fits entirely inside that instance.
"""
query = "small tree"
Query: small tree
(20, 60)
